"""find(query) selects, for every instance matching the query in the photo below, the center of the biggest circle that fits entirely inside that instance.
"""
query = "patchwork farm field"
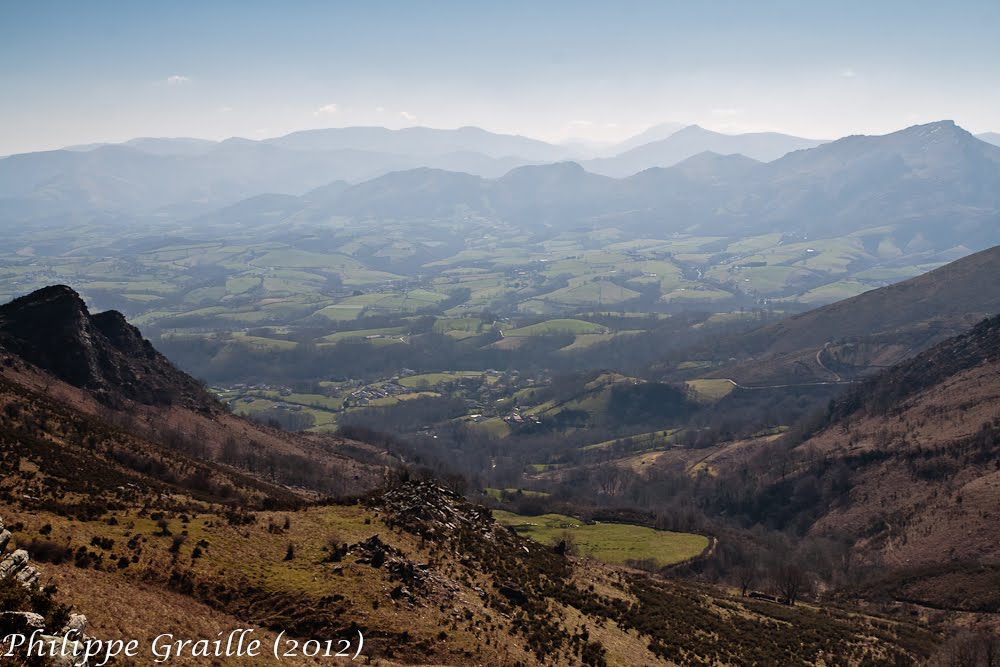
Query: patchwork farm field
(473, 313)
(217, 273)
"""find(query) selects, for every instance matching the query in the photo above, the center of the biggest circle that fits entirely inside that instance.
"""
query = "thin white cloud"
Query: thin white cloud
(326, 109)
(177, 79)
(581, 123)
(407, 115)
(225, 109)
(379, 109)
(848, 73)
(727, 112)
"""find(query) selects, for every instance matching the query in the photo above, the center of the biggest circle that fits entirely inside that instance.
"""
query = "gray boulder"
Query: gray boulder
(13, 563)
(77, 624)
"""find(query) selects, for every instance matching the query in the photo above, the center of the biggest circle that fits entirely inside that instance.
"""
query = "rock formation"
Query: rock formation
(16, 569)
(52, 329)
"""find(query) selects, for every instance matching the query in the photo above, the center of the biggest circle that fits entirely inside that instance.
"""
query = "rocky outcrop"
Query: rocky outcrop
(16, 569)
(52, 329)
(414, 582)
(430, 510)
(12, 564)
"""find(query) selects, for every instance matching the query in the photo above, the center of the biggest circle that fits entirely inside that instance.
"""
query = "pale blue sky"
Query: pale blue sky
(77, 72)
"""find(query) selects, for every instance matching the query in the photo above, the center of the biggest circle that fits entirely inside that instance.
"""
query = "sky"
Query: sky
(81, 72)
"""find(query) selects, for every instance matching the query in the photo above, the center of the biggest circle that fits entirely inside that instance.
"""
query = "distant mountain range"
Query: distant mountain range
(422, 142)
(692, 140)
(935, 186)
(990, 137)
(937, 183)
(655, 133)
(193, 177)
(186, 174)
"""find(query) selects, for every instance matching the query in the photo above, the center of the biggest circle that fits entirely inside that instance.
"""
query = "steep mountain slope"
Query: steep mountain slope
(53, 330)
(937, 179)
(687, 142)
(426, 578)
(849, 338)
(904, 468)
(98, 367)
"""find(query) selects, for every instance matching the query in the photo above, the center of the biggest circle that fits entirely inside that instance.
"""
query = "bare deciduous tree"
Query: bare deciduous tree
(791, 581)
(746, 575)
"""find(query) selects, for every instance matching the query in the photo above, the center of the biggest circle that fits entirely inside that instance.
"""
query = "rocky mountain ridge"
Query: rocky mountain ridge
(52, 329)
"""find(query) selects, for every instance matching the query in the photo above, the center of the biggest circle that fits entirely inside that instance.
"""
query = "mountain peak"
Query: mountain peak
(50, 305)
(49, 295)
(694, 129)
(943, 127)
(52, 329)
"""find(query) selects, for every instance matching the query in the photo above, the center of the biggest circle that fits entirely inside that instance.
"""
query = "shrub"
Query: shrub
(47, 551)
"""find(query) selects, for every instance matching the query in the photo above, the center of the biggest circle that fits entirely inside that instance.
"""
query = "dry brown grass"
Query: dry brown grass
(927, 521)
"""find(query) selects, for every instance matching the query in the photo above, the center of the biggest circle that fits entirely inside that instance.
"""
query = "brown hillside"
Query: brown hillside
(906, 469)
(428, 579)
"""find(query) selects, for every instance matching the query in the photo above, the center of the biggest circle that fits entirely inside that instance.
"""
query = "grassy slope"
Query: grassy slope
(608, 542)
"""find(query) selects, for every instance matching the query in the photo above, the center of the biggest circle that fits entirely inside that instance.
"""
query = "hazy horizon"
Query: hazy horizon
(77, 74)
